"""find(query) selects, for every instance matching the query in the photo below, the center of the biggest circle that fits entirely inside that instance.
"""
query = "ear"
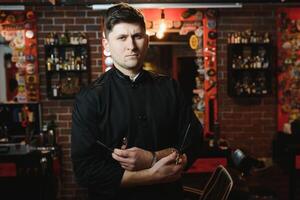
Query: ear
(105, 44)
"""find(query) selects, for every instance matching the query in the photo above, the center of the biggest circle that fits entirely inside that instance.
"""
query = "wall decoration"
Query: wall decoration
(288, 23)
(209, 53)
(202, 28)
(18, 28)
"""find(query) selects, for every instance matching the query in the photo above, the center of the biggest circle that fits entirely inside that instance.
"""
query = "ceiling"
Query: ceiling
(89, 2)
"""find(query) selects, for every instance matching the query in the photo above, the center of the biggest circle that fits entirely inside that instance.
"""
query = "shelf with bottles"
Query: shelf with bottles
(248, 37)
(249, 56)
(249, 84)
(66, 85)
(249, 69)
(67, 69)
(66, 39)
(66, 58)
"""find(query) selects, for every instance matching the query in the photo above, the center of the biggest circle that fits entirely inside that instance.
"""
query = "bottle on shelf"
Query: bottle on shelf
(51, 137)
(77, 63)
(54, 91)
(49, 64)
(83, 63)
(56, 39)
(63, 40)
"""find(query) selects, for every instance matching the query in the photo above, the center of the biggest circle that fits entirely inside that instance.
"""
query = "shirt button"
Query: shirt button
(133, 85)
(142, 117)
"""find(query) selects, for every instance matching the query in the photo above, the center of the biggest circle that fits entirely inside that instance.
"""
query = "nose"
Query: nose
(131, 43)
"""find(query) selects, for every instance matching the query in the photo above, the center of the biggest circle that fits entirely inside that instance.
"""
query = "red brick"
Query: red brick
(95, 41)
(64, 117)
(91, 35)
(54, 14)
(65, 131)
(60, 110)
(50, 103)
(92, 27)
(52, 28)
(66, 103)
(85, 21)
(45, 21)
(74, 28)
(94, 14)
(63, 138)
(64, 20)
(75, 13)
(64, 8)
(62, 124)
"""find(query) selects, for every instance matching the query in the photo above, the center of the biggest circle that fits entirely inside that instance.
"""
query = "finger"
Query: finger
(183, 160)
(126, 164)
(168, 159)
(133, 149)
(178, 161)
(129, 168)
(120, 158)
(121, 152)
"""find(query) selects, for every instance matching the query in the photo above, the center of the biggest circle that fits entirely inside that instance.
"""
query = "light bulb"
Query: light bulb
(162, 25)
(160, 34)
(162, 22)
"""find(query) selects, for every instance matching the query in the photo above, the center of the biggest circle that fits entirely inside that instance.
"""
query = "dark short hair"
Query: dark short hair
(122, 12)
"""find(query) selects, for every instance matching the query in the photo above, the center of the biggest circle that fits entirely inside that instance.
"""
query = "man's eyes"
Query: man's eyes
(135, 37)
(122, 38)
(138, 36)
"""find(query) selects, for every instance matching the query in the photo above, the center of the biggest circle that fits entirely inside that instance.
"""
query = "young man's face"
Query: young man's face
(127, 43)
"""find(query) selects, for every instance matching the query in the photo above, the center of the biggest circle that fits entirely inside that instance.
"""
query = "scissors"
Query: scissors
(103, 145)
(124, 144)
(180, 152)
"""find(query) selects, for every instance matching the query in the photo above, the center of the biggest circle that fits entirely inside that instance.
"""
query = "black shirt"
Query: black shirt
(151, 112)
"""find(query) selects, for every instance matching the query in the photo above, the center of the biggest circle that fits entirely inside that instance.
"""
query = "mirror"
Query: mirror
(183, 45)
(18, 57)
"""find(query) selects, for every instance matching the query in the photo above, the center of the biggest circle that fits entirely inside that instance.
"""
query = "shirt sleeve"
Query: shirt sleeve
(93, 166)
(194, 138)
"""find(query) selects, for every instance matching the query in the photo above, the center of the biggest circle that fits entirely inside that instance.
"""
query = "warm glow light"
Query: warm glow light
(162, 23)
(162, 26)
(160, 34)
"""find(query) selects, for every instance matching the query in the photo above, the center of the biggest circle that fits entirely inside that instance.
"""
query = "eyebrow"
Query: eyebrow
(126, 35)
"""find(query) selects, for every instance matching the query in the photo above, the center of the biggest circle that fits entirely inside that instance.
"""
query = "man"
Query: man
(128, 125)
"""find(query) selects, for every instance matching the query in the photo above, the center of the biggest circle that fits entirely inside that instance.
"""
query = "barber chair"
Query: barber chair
(218, 186)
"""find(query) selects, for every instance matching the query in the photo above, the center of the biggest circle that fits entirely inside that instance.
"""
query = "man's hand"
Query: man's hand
(163, 171)
(166, 169)
(133, 159)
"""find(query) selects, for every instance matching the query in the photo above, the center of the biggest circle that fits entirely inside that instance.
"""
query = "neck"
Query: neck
(129, 72)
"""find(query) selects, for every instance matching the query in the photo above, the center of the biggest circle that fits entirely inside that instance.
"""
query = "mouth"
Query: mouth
(132, 55)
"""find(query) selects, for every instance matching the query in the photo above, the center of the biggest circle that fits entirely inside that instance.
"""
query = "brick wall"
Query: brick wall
(72, 19)
(249, 124)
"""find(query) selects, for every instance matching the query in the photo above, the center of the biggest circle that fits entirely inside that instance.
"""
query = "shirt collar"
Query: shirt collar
(136, 79)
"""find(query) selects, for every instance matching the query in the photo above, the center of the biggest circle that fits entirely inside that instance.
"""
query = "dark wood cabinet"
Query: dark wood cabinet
(249, 69)
(67, 70)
